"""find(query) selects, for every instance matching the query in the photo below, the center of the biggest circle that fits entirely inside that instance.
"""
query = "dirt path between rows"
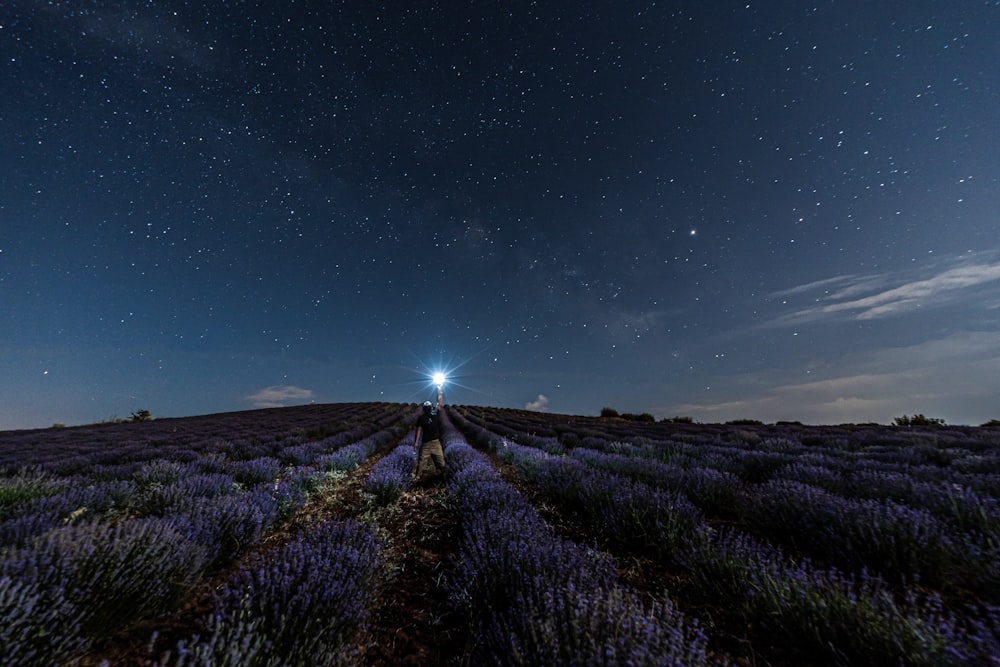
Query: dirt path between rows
(412, 624)
(415, 623)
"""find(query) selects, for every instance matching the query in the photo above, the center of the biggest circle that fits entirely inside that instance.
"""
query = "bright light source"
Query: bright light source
(439, 379)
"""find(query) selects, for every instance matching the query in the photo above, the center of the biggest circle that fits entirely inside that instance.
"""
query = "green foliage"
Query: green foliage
(745, 422)
(643, 417)
(25, 486)
(917, 420)
(677, 420)
(611, 413)
(384, 492)
(992, 422)
(141, 415)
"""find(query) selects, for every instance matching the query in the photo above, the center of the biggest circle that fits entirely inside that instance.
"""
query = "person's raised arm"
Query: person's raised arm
(440, 397)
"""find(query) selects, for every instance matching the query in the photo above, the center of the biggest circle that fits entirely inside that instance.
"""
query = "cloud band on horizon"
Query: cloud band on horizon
(278, 396)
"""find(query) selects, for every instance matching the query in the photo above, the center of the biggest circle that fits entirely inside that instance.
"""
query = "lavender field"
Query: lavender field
(296, 536)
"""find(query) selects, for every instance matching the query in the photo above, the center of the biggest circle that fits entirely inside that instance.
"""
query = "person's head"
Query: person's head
(427, 407)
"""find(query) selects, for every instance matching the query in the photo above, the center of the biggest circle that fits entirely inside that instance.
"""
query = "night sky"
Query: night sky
(765, 210)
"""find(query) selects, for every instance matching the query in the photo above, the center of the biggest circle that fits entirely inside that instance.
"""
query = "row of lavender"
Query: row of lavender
(154, 477)
(852, 617)
(919, 467)
(963, 455)
(87, 449)
(303, 604)
(948, 536)
(306, 603)
(911, 445)
(938, 523)
(530, 597)
(535, 599)
(86, 554)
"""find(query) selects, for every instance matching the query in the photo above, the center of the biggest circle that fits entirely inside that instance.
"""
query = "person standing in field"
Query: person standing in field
(427, 441)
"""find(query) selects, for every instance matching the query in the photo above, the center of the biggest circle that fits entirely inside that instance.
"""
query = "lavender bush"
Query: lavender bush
(37, 628)
(713, 491)
(302, 605)
(255, 471)
(228, 526)
(961, 504)
(618, 508)
(160, 472)
(288, 497)
(344, 459)
(535, 599)
(26, 485)
(301, 454)
(568, 626)
(898, 540)
(225, 641)
(850, 620)
(112, 574)
(937, 526)
(73, 505)
(391, 475)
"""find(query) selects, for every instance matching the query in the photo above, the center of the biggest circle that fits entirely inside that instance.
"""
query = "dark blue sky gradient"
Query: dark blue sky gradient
(755, 210)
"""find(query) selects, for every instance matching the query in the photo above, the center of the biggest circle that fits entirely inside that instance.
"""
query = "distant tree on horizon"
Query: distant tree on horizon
(678, 420)
(141, 415)
(917, 420)
(643, 417)
(611, 413)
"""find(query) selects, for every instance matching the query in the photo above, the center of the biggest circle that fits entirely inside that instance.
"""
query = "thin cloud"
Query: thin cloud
(813, 286)
(952, 377)
(541, 404)
(278, 396)
(862, 303)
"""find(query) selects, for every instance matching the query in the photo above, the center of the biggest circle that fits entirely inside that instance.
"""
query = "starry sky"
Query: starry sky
(723, 210)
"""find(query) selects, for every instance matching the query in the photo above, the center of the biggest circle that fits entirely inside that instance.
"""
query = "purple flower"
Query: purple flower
(300, 605)
(391, 475)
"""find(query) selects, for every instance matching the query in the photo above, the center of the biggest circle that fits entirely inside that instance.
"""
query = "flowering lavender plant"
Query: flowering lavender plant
(851, 619)
(535, 599)
(36, 627)
(26, 485)
(301, 605)
(391, 475)
(228, 526)
(112, 574)
(344, 459)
